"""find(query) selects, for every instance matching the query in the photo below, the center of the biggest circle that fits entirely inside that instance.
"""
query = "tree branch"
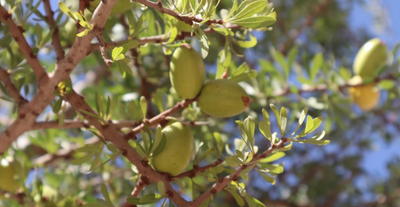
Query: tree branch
(143, 182)
(112, 135)
(196, 169)
(187, 19)
(16, 33)
(55, 40)
(160, 38)
(160, 117)
(5, 78)
(28, 114)
(222, 182)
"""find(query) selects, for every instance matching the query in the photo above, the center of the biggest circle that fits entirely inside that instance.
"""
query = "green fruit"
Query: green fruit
(120, 7)
(8, 181)
(175, 156)
(370, 58)
(182, 26)
(223, 98)
(187, 72)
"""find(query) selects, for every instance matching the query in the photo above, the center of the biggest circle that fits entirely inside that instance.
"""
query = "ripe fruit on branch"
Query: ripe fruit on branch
(120, 7)
(365, 96)
(187, 72)
(175, 156)
(8, 181)
(223, 98)
(370, 58)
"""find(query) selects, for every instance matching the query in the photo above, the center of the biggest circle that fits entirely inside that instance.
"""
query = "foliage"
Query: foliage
(89, 114)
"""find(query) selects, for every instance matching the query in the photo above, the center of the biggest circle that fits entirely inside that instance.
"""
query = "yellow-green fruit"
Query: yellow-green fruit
(175, 156)
(223, 98)
(187, 72)
(365, 96)
(370, 58)
(7, 177)
(182, 26)
(120, 7)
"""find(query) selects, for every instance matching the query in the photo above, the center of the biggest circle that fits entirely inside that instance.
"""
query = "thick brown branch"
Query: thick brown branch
(5, 78)
(16, 33)
(196, 169)
(111, 134)
(234, 176)
(28, 114)
(55, 39)
(160, 117)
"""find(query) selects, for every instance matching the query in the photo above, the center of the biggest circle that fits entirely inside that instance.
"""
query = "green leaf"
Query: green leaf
(57, 106)
(246, 44)
(65, 9)
(204, 43)
(234, 8)
(386, 84)
(278, 57)
(143, 106)
(273, 157)
(265, 126)
(271, 168)
(230, 161)
(316, 65)
(277, 115)
(151, 198)
(251, 8)
(285, 148)
(223, 31)
(160, 146)
(255, 22)
(220, 144)
(117, 54)
(249, 127)
(249, 200)
(283, 117)
(267, 177)
(238, 198)
(309, 124)
(39, 32)
(292, 56)
(157, 139)
(161, 187)
(96, 160)
(104, 191)
(80, 160)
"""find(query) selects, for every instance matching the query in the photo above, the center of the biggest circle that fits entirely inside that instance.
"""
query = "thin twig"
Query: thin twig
(55, 40)
(160, 38)
(222, 182)
(196, 169)
(142, 182)
(16, 33)
(160, 117)
(111, 134)
(187, 19)
(102, 46)
(11, 89)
